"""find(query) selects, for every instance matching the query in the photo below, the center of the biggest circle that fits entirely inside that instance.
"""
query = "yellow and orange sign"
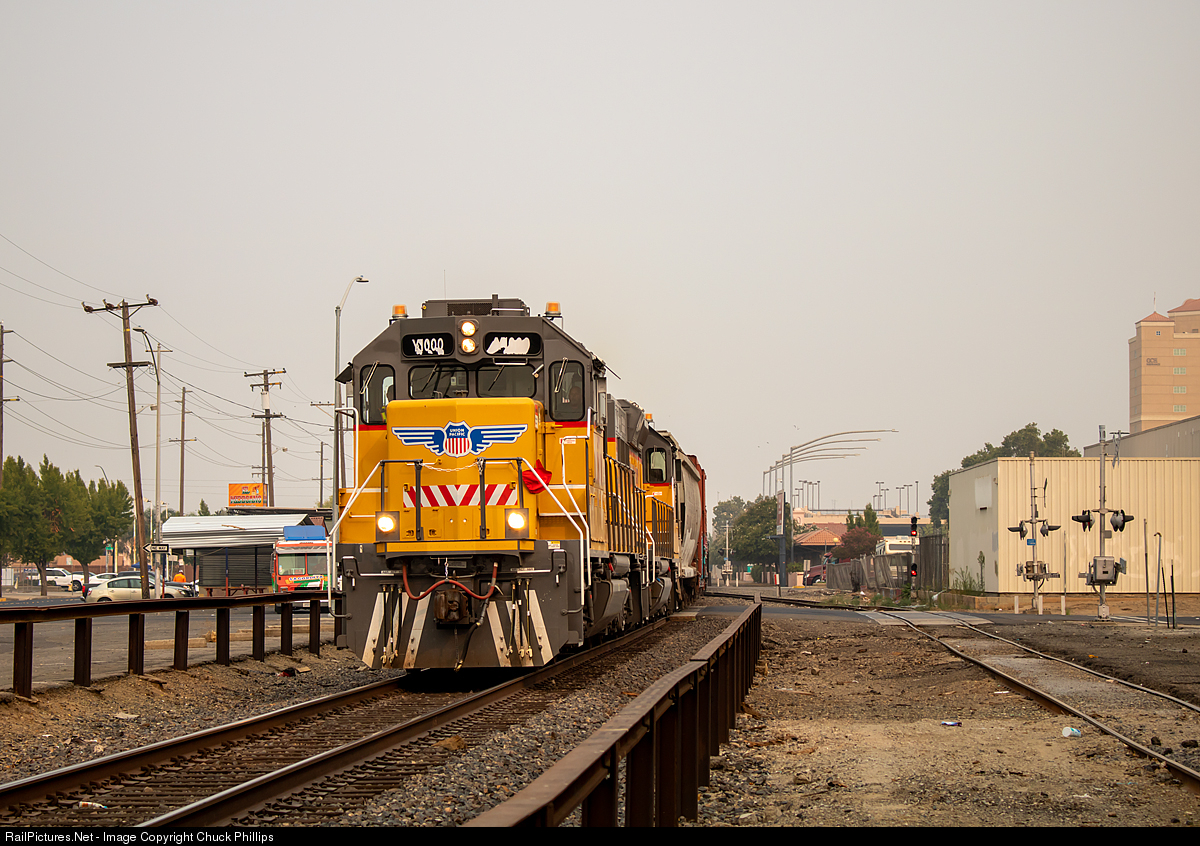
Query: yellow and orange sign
(246, 493)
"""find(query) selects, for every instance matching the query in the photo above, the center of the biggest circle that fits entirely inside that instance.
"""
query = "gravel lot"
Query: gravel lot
(845, 727)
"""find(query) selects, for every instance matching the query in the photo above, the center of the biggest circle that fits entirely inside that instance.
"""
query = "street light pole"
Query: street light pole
(338, 452)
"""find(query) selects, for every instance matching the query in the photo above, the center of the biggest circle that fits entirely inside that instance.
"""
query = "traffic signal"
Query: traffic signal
(1047, 529)
(912, 572)
(1119, 519)
(913, 531)
(1020, 528)
(1085, 518)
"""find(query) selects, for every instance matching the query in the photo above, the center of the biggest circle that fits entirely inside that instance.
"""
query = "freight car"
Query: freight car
(504, 507)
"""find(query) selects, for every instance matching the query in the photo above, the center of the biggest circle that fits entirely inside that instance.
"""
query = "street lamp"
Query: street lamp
(338, 452)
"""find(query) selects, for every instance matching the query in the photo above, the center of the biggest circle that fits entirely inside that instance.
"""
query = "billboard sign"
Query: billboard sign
(246, 494)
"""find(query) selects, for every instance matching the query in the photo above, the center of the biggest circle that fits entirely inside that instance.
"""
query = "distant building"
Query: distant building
(1164, 368)
(1171, 440)
(987, 499)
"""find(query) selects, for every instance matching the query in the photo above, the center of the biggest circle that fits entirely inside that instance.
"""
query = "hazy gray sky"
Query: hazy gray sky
(774, 221)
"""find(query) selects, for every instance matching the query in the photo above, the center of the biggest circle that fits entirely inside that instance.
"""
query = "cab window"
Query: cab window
(378, 387)
(505, 380)
(568, 397)
(656, 466)
(436, 381)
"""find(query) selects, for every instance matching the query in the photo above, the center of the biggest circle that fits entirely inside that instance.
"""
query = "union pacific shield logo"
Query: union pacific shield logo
(457, 439)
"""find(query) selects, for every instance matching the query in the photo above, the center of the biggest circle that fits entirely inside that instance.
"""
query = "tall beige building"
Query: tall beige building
(1164, 368)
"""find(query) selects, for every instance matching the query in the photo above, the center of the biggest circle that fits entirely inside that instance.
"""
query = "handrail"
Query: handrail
(332, 534)
(23, 620)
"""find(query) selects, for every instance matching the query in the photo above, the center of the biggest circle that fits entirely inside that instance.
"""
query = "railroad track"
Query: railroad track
(244, 773)
(797, 603)
(1153, 724)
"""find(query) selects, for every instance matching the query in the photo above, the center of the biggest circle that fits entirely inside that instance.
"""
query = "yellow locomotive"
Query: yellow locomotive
(504, 506)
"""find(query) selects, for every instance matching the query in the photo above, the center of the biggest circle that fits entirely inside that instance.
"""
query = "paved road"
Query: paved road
(54, 643)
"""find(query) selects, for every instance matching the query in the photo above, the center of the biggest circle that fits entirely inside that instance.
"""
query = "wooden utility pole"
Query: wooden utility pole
(128, 364)
(267, 417)
(3, 399)
(182, 440)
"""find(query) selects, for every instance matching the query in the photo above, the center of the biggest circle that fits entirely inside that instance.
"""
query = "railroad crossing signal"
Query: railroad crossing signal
(1119, 519)
(1085, 518)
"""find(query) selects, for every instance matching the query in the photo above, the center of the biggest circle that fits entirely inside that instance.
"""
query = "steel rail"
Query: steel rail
(36, 788)
(1185, 774)
(221, 808)
(800, 603)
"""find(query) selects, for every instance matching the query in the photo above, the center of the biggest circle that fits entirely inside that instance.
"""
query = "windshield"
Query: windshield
(437, 381)
(505, 380)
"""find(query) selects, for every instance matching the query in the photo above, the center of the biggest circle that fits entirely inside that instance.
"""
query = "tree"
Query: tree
(21, 528)
(856, 542)
(28, 532)
(78, 535)
(868, 520)
(749, 535)
(1016, 444)
(112, 512)
(724, 514)
(203, 512)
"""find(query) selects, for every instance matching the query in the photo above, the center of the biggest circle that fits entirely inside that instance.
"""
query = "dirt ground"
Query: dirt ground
(858, 724)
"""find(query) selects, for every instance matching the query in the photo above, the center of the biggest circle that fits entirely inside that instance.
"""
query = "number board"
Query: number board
(512, 343)
(437, 345)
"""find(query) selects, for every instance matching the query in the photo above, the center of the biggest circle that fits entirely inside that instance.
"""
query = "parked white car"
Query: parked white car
(130, 587)
(58, 577)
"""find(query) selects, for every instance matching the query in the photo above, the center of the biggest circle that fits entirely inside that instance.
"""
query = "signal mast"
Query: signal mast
(1034, 570)
(1104, 569)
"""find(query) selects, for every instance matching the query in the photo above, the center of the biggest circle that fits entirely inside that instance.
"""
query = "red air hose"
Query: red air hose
(435, 585)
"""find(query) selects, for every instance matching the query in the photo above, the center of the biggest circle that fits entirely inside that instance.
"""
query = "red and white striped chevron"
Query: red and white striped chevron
(436, 496)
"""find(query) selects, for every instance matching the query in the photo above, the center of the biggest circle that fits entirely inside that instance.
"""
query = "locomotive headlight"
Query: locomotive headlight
(467, 328)
(516, 523)
(468, 345)
(387, 526)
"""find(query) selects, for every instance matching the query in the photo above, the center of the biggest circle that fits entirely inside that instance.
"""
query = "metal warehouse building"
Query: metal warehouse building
(1162, 494)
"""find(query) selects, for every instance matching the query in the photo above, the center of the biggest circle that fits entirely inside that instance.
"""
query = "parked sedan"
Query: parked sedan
(130, 587)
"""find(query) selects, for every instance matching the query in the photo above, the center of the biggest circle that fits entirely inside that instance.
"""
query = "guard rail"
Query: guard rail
(23, 620)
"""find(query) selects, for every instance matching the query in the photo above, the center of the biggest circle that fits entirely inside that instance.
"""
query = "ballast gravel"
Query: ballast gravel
(490, 773)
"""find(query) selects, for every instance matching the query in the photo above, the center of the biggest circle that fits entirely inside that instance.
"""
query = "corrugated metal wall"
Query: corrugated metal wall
(235, 567)
(1162, 494)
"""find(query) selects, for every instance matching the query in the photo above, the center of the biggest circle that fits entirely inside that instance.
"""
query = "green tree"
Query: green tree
(1016, 444)
(724, 514)
(868, 520)
(21, 520)
(30, 534)
(78, 534)
(112, 513)
(203, 512)
(750, 539)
